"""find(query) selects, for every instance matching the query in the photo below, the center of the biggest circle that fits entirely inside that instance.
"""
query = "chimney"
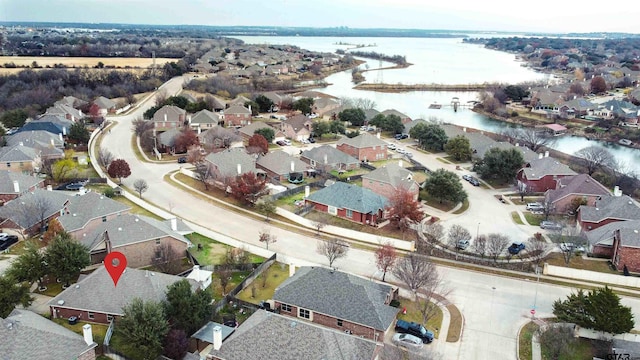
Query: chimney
(189, 119)
(540, 156)
(400, 162)
(326, 160)
(292, 270)
(378, 135)
(575, 97)
(199, 130)
(611, 107)
(52, 143)
(60, 137)
(21, 143)
(87, 333)
(217, 338)
(239, 169)
(16, 186)
(464, 129)
(546, 154)
(307, 190)
(64, 130)
(293, 166)
(73, 118)
(49, 188)
(617, 191)
(174, 224)
(165, 117)
(250, 109)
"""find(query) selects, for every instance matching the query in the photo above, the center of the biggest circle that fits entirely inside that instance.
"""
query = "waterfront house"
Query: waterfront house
(618, 241)
(364, 147)
(542, 174)
(573, 190)
(608, 209)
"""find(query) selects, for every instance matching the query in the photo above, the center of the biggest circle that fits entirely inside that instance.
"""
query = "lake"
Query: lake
(440, 61)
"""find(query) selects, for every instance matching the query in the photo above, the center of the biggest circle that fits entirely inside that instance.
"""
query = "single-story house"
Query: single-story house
(37, 139)
(607, 209)
(327, 158)
(364, 147)
(619, 241)
(27, 335)
(105, 106)
(389, 180)
(350, 202)
(14, 184)
(298, 127)
(167, 140)
(24, 214)
(248, 131)
(338, 300)
(282, 166)
(582, 187)
(95, 298)
(230, 163)
(83, 214)
(20, 158)
(542, 174)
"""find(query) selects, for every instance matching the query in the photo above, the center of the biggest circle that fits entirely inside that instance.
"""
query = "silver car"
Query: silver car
(408, 341)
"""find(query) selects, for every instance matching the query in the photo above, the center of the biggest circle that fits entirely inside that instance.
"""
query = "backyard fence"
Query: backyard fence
(296, 190)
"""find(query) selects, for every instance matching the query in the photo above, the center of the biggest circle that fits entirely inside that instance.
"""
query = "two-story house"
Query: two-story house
(608, 209)
(298, 127)
(389, 180)
(364, 147)
(572, 191)
(542, 174)
(237, 116)
(169, 117)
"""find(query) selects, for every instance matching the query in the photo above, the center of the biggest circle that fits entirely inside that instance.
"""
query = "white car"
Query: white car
(401, 151)
(286, 142)
(408, 341)
(391, 146)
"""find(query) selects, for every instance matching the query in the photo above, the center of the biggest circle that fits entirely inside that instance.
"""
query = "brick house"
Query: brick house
(27, 335)
(105, 106)
(14, 184)
(24, 215)
(297, 127)
(141, 239)
(338, 300)
(389, 179)
(582, 186)
(349, 202)
(248, 131)
(619, 241)
(237, 115)
(606, 210)
(327, 158)
(230, 163)
(204, 120)
(403, 117)
(96, 299)
(364, 147)
(83, 214)
(276, 336)
(542, 174)
(20, 158)
(282, 166)
(169, 117)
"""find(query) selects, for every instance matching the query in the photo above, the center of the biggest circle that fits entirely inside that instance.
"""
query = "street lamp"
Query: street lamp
(478, 232)
(535, 297)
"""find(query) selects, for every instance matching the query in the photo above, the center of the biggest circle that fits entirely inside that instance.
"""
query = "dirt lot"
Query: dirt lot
(82, 61)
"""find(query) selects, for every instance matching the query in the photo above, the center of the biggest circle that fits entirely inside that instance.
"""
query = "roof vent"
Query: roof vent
(597, 209)
(119, 229)
(60, 302)
(74, 214)
(77, 286)
(137, 220)
(293, 324)
(635, 231)
(630, 202)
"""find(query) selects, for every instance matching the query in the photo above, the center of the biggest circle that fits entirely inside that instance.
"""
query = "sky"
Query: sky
(489, 15)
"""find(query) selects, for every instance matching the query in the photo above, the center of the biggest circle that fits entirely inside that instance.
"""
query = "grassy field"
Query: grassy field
(433, 202)
(578, 262)
(83, 61)
(413, 314)
(525, 340)
(213, 252)
(18, 248)
(533, 219)
(275, 275)
(135, 209)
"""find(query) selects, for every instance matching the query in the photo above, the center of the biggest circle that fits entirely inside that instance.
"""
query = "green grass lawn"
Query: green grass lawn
(433, 202)
(136, 209)
(275, 275)
(526, 334)
(463, 208)
(236, 278)
(578, 262)
(452, 160)
(516, 218)
(213, 252)
(455, 324)
(381, 163)
(533, 219)
(18, 248)
(98, 330)
(53, 289)
(413, 314)
(346, 174)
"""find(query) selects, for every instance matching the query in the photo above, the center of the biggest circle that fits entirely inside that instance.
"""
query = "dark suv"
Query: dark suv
(414, 329)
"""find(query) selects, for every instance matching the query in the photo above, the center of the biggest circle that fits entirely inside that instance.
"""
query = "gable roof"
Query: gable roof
(538, 168)
(96, 292)
(298, 122)
(250, 129)
(238, 101)
(629, 234)
(611, 207)
(370, 114)
(18, 153)
(362, 141)
(63, 109)
(394, 112)
(273, 336)
(43, 126)
(340, 295)
(168, 138)
(24, 210)
(104, 103)
(171, 112)
(72, 101)
(392, 174)
(349, 196)
(227, 161)
(82, 209)
(35, 138)
(581, 184)
(24, 182)
(205, 117)
(27, 335)
(237, 110)
(408, 126)
(333, 155)
(527, 154)
(128, 229)
(280, 162)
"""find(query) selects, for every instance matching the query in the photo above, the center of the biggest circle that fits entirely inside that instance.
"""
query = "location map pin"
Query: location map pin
(115, 262)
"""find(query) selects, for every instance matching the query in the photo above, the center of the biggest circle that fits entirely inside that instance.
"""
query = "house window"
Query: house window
(104, 219)
(313, 163)
(21, 164)
(8, 164)
(349, 213)
(332, 210)
(304, 313)
(157, 241)
(109, 317)
(339, 322)
(91, 315)
(285, 308)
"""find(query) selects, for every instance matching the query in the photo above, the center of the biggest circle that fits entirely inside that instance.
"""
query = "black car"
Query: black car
(401, 136)
(474, 181)
(7, 241)
(312, 140)
(182, 160)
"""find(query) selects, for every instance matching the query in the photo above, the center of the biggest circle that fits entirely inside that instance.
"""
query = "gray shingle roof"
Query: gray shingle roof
(205, 333)
(227, 161)
(104, 103)
(250, 129)
(35, 137)
(97, 293)
(24, 210)
(349, 196)
(27, 335)
(393, 174)
(408, 126)
(279, 162)
(339, 295)
(611, 207)
(298, 122)
(581, 184)
(128, 229)
(205, 117)
(629, 233)
(18, 153)
(87, 207)
(539, 168)
(362, 141)
(172, 112)
(334, 156)
(237, 109)
(276, 337)
(527, 154)
(168, 138)
(394, 112)
(24, 182)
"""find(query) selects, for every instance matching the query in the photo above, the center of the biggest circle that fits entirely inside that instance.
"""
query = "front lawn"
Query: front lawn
(516, 218)
(455, 323)
(578, 262)
(210, 252)
(389, 230)
(436, 203)
(533, 219)
(413, 314)
(18, 248)
(275, 275)
(463, 208)
(98, 330)
(135, 208)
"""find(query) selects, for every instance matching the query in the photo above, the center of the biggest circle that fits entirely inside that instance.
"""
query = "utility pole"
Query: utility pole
(535, 297)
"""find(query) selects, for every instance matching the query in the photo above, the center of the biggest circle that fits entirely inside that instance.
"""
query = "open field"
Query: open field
(82, 61)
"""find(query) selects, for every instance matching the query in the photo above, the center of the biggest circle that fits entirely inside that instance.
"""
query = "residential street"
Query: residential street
(493, 306)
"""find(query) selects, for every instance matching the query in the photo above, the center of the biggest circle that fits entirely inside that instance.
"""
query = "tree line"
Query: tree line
(396, 59)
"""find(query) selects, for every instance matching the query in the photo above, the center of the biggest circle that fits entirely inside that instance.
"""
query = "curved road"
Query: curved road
(493, 307)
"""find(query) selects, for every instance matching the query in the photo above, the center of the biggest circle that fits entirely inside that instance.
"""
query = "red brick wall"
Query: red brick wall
(89, 355)
(342, 213)
(65, 313)
(332, 322)
(237, 119)
(368, 154)
(585, 224)
(386, 189)
(603, 251)
(629, 256)
(7, 197)
(563, 205)
(142, 253)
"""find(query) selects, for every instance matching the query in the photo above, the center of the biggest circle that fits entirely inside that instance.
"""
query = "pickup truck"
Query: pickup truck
(414, 329)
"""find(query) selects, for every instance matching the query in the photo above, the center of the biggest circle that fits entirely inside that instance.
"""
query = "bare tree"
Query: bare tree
(167, 259)
(202, 173)
(568, 238)
(457, 233)
(558, 341)
(535, 139)
(523, 190)
(480, 245)
(496, 244)
(386, 256)
(320, 224)
(161, 97)
(536, 249)
(333, 249)
(267, 238)
(595, 157)
(33, 210)
(140, 126)
(224, 273)
(419, 273)
(433, 235)
(104, 157)
(140, 186)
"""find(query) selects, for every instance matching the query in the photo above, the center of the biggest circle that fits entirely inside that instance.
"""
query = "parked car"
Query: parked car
(566, 247)
(286, 142)
(546, 224)
(467, 177)
(408, 341)
(414, 329)
(182, 160)
(535, 207)
(400, 136)
(516, 247)
(6, 242)
(408, 154)
(391, 146)
(463, 244)
(281, 143)
(401, 151)
(312, 140)
(473, 181)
